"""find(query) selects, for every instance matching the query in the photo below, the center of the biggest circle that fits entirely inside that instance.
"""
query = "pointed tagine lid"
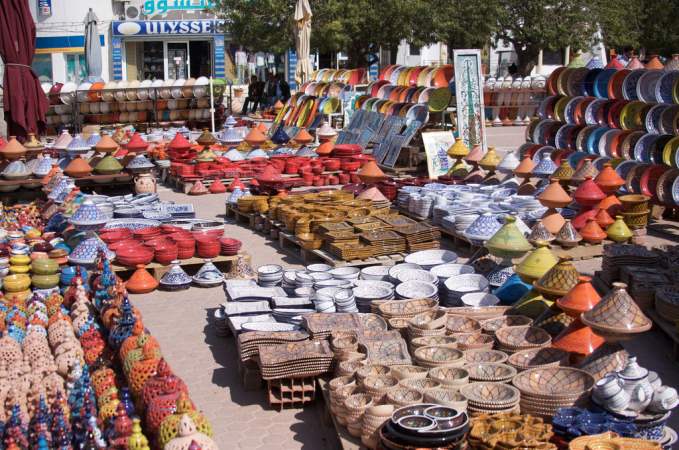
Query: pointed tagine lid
(13, 150)
(217, 187)
(558, 280)
(371, 173)
(618, 231)
(532, 304)
(614, 63)
(553, 220)
(509, 163)
(588, 169)
(564, 172)
(610, 204)
(179, 142)
(326, 131)
(608, 179)
(617, 314)
(198, 188)
(580, 299)
(206, 155)
(236, 184)
(106, 144)
(137, 144)
(568, 234)
(592, 232)
(373, 194)
(255, 137)
(280, 136)
(458, 149)
(32, 143)
(278, 105)
(654, 63)
(206, 138)
(525, 168)
(634, 63)
(261, 127)
(555, 196)
(77, 168)
(603, 218)
(578, 338)
(475, 155)
(580, 220)
(508, 242)
(588, 193)
(539, 233)
(490, 160)
(545, 167)
(537, 263)
(141, 281)
(303, 137)
(108, 165)
(269, 174)
(325, 149)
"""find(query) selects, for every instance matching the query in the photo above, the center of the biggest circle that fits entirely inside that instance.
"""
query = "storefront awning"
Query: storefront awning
(62, 44)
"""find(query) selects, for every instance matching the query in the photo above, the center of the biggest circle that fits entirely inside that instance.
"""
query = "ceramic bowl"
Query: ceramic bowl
(539, 357)
(469, 341)
(438, 355)
(466, 283)
(494, 395)
(426, 341)
(378, 273)
(462, 324)
(403, 372)
(445, 271)
(420, 385)
(490, 326)
(485, 355)
(404, 396)
(523, 337)
(446, 397)
(479, 299)
(495, 372)
(554, 382)
(449, 376)
(416, 289)
(395, 270)
(430, 258)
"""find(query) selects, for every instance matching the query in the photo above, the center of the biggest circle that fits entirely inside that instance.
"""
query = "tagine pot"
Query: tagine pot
(568, 236)
(553, 220)
(579, 340)
(555, 196)
(141, 281)
(508, 241)
(558, 280)
(78, 168)
(537, 263)
(592, 232)
(608, 179)
(618, 231)
(611, 204)
(581, 298)
(603, 218)
(145, 183)
(588, 193)
(617, 317)
(13, 150)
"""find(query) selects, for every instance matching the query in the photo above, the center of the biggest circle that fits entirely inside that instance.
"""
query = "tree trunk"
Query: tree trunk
(526, 59)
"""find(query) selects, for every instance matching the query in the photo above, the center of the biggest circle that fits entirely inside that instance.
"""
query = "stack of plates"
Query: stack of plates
(430, 258)
(230, 246)
(546, 389)
(369, 291)
(420, 236)
(491, 398)
(417, 275)
(417, 289)
(269, 326)
(289, 316)
(445, 271)
(248, 343)
(345, 301)
(269, 275)
(378, 273)
(457, 286)
(289, 281)
(295, 359)
(345, 273)
(395, 270)
(324, 299)
(292, 302)
(303, 279)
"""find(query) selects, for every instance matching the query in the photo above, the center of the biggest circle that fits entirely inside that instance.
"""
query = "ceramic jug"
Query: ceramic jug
(145, 183)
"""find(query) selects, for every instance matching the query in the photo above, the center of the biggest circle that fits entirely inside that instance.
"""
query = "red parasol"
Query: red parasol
(25, 103)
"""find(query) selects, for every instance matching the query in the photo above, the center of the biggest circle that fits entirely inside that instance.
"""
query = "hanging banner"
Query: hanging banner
(471, 125)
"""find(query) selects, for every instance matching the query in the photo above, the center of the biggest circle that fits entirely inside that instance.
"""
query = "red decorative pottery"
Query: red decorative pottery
(236, 183)
(553, 221)
(588, 193)
(198, 188)
(217, 187)
(207, 248)
(147, 233)
(580, 220)
(603, 218)
(581, 298)
(269, 175)
(592, 232)
(179, 143)
(325, 149)
(13, 149)
(303, 137)
(611, 204)
(141, 281)
(137, 144)
(608, 179)
(371, 173)
(555, 196)
(578, 339)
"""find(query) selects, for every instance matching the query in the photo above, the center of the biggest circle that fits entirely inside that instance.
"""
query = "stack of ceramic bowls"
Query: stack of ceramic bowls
(289, 281)
(304, 280)
(324, 299)
(457, 286)
(417, 275)
(345, 273)
(445, 271)
(368, 292)
(269, 275)
(45, 273)
(376, 273)
(4, 267)
(321, 268)
(417, 289)
(345, 301)
(398, 268)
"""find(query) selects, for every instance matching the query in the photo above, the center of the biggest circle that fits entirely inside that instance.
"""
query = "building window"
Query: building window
(551, 58)
(76, 70)
(414, 50)
(42, 66)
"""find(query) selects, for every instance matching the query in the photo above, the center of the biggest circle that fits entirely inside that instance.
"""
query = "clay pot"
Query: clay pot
(608, 179)
(525, 168)
(325, 149)
(458, 149)
(618, 231)
(78, 168)
(137, 144)
(106, 144)
(553, 221)
(141, 281)
(555, 196)
(603, 218)
(13, 149)
(581, 298)
(580, 220)
(634, 203)
(255, 137)
(579, 340)
(588, 193)
(371, 173)
(592, 232)
(217, 187)
(303, 137)
(179, 143)
(611, 204)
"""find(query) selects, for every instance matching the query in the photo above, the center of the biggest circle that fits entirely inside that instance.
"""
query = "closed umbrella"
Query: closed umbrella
(303, 40)
(25, 104)
(92, 47)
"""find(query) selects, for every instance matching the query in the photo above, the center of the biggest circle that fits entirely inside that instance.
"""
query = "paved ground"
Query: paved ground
(241, 420)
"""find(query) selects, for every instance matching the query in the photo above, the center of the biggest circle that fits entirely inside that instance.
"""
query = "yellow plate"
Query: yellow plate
(560, 108)
(669, 151)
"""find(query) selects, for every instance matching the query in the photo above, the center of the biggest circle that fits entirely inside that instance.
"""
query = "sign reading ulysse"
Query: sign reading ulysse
(165, 27)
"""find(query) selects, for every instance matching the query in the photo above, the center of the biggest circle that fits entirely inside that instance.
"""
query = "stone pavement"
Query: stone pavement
(242, 420)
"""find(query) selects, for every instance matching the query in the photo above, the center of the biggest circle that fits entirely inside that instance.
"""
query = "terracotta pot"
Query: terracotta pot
(553, 221)
(611, 204)
(608, 179)
(78, 168)
(603, 219)
(588, 193)
(592, 232)
(555, 196)
(580, 220)
(579, 340)
(13, 149)
(141, 281)
(581, 298)
(525, 168)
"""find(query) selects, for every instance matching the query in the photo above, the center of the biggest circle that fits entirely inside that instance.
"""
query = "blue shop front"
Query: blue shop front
(167, 49)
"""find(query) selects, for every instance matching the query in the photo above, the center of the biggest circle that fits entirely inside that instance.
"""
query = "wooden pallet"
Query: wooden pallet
(240, 216)
(291, 392)
(190, 266)
(290, 244)
(185, 185)
(667, 327)
(346, 440)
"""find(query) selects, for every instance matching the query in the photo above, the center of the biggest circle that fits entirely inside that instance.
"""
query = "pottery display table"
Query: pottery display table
(191, 265)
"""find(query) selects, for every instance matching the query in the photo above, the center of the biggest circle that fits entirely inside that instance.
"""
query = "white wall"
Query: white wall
(67, 19)
(431, 54)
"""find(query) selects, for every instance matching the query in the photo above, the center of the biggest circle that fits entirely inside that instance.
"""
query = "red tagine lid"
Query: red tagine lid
(179, 142)
(137, 143)
(217, 187)
(236, 183)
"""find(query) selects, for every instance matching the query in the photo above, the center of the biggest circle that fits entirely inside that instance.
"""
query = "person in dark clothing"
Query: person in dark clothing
(284, 87)
(255, 93)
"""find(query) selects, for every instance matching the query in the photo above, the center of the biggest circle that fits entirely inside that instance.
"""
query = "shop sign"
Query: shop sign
(168, 27)
(45, 8)
(152, 7)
